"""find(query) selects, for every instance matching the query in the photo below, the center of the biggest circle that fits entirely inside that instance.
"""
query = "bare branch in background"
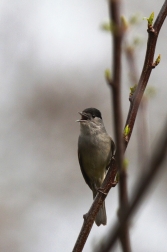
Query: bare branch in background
(115, 84)
(142, 127)
(129, 51)
(142, 133)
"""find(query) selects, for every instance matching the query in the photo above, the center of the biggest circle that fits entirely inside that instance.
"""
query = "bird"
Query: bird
(95, 150)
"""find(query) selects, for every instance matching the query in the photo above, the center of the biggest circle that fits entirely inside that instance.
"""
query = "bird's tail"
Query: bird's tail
(101, 217)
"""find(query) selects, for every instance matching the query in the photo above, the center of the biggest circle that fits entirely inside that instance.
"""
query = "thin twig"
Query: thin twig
(153, 33)
(152, 167)
(109, 180)
(115, 84)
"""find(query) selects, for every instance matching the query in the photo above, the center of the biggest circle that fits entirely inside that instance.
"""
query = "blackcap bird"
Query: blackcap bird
(95, 150)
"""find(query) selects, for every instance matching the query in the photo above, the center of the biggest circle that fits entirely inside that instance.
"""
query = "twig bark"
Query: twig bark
(135, 101)
(153, 167)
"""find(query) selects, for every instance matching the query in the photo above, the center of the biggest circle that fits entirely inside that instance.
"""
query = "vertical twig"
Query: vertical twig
(115, 84)
(129, 52)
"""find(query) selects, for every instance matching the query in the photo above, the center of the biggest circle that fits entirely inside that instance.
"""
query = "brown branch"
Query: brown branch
(153, 33)
(117, 35)
(109, 180)
(153, 167)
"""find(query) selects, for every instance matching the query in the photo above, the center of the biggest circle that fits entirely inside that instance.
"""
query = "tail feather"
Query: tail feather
(101, 217)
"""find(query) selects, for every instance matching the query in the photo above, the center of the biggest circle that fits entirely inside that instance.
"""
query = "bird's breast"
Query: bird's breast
(95, 153)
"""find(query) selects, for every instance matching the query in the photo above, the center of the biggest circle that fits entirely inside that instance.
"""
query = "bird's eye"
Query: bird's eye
(93, 116)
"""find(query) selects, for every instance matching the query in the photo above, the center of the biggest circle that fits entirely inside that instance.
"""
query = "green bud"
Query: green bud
(125, 24)
(150, 19)
(125, 164)
(135, 19)
(158, 59)
(132, 89)
(106, 26)
(150, 92)
(107, 74)
(126, 130)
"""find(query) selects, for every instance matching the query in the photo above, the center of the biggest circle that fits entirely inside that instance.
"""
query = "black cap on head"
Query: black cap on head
(93, 111)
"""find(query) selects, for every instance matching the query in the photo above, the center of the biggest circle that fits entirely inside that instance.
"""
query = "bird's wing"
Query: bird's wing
(113, 148)
(112, 152)
(87, 180)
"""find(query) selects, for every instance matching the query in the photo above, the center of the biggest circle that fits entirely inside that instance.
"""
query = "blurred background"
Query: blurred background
(52, 62)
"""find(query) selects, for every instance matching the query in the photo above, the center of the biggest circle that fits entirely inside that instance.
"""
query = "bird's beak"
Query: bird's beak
(84, 117)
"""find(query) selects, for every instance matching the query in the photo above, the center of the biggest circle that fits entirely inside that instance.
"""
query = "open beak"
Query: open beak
(84, 117)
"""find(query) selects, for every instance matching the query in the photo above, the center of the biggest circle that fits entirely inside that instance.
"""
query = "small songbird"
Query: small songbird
(95, 150)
